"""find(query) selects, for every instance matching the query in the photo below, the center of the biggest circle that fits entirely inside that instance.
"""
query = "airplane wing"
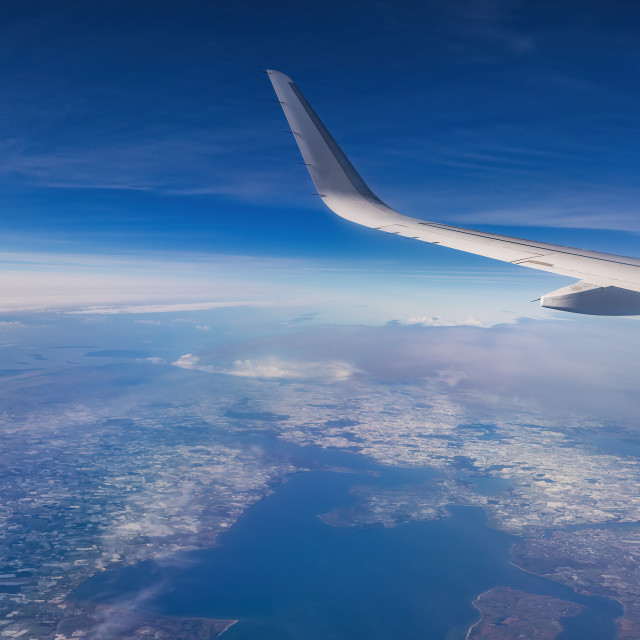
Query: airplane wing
(608, 284)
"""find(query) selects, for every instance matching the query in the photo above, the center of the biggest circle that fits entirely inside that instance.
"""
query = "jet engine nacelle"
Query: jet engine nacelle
(582, 297)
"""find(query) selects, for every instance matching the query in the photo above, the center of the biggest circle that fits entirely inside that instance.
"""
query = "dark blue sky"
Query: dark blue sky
(145, 126)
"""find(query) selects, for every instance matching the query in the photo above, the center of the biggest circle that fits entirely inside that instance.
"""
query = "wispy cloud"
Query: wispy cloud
(160, 284)
(120, 619)
(115, 285)
(170, 308)
(570, 214)
(178, 162)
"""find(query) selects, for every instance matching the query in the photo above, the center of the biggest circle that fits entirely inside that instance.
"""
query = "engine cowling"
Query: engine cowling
(582, 297)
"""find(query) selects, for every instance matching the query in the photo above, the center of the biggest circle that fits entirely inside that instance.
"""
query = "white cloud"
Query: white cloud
(274, 368)
(190, 361)
(426, 320)
(439, 321)
(292, 369)
(452, 377)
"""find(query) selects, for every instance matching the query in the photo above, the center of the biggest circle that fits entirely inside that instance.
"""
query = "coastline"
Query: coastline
(231, 623)
(618, 620)
(477, 622)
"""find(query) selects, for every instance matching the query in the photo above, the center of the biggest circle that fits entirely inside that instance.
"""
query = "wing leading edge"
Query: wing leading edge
(609, 284)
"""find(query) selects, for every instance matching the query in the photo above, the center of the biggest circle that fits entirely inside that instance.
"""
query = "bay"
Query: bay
(284, 573)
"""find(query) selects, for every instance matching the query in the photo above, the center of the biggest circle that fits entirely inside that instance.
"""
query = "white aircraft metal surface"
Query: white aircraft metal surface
(608, 284)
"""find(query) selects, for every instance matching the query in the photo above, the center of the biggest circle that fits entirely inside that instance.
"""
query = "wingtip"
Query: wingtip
(272, 73)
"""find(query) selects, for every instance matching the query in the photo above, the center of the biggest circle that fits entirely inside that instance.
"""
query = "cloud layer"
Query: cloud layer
(587, 366)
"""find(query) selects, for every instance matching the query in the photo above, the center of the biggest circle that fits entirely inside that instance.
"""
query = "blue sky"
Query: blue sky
(144, 129)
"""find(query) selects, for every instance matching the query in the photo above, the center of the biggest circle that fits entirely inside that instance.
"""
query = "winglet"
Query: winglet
(335, 178)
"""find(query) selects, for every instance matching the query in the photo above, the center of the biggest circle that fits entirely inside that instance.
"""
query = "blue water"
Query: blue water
(617, 446)
(486, 485)
(286, 575)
